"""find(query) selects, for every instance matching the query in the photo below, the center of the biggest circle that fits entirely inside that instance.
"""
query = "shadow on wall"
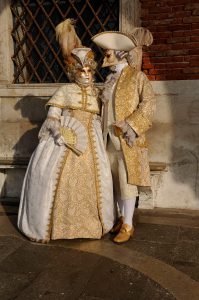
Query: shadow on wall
(175, 141)
(185, 148)
(3, 5)
(33, 113)
(25, 139)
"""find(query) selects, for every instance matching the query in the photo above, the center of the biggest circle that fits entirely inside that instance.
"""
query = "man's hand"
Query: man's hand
(121, 54)
(129, 134)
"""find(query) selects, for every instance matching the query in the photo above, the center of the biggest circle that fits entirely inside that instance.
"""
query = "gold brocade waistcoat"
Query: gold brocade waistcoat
(72, 96)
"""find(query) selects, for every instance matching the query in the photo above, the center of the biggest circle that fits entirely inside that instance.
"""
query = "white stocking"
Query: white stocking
(129, 206)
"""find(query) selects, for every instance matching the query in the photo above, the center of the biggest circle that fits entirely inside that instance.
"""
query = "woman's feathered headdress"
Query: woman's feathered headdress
(74, 53)
(67, 37)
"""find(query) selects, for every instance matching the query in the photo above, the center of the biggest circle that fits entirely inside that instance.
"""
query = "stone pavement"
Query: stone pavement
(160, 262)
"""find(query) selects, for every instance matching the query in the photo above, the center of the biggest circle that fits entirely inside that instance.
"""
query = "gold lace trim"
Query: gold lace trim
(56, 186)
(96, 168)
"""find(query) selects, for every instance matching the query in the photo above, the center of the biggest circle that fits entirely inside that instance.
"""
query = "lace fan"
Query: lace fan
(74, 135)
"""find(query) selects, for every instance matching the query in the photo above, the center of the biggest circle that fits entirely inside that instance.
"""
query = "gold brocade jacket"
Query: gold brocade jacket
(135, 103)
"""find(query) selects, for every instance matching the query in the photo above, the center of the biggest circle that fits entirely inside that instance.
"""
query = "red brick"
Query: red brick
(159, 41)
(172, 65)
(179, 27)
(149, 4)
(193, 76)
(149, 17)
(160, 66)
(177, 52)
(194, 32)
(193, 57)
(176, 21)
(178, 8)
(148, 66)
(165, 71)
(174, 71)
(157, 71)
(192, 19)
(166, 34)
(178, 46)
(191, 6)
(195, 26)
(150, 77)
(194, 51)
(180, 39)
(146, 60)
(161, 28)
(176, 76)
(147, 54)
(182, 33)
(195, 12)
(160, 59)
(194, 38)
(161, 16)
(177, 58)
(175, 2)
(163, 9)
(194, 63)
(193, 45)
(160, 47)
(158, 53)
(160, 77)
(144, 12)
(191, 70)
(152, 22)
(181, 14)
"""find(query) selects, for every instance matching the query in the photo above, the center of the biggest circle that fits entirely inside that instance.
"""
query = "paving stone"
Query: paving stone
(53, 272)
(8, 226)
(53, 284)
(189, 234)
(43, 256)
(12, 283)
(189, 268)
(61, 273)
(186, 252)
(161, 251)
(156, 233)
(112, 280)
(85, 297)
(8, 245)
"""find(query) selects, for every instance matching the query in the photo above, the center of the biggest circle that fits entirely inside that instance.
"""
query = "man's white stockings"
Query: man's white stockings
(127, 208)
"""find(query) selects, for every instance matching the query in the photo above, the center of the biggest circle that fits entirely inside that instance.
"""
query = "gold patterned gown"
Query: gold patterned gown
(66, 196)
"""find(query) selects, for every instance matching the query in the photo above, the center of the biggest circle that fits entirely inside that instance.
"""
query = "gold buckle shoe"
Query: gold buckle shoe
(126, 232)
(117, 226)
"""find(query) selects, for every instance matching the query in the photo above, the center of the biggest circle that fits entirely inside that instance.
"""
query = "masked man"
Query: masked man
(129, 105)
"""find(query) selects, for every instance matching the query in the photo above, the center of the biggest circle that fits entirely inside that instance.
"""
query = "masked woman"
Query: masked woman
(67, 189)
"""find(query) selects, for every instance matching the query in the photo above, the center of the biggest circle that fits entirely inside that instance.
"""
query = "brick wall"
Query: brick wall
(174, 53)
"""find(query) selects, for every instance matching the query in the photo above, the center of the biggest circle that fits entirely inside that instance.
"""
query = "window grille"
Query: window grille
(37, 56)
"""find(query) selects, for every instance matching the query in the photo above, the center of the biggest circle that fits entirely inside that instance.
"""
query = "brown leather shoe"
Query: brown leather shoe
(117, 226)
(126, 232)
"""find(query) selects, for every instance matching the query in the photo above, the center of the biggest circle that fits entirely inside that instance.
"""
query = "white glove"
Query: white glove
(51, 125)
(60, 141)
(121, 54)
(129, 134)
